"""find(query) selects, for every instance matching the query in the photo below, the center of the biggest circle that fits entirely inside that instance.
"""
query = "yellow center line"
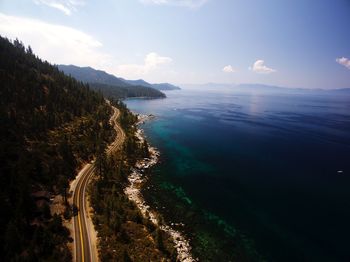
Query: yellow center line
(80, 229)
(80, 185)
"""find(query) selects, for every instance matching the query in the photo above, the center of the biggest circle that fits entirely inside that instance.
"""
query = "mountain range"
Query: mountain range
(91, 75)
(267, 89)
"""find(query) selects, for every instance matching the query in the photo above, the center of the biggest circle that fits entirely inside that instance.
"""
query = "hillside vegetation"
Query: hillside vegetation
(50, 125)
(110, 85)
(124, 234)
(120, 92)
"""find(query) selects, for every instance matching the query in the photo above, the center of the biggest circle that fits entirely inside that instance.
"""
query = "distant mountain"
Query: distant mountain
(160, 86)
(268, 89)
(91, 75)
(265, 88)
(341, 90)
(109, 84)
(290, 90)
(127, 91)
(165, 86)
(139, 82)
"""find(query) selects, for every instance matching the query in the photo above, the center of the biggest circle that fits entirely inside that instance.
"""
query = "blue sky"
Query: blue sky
(296, 43)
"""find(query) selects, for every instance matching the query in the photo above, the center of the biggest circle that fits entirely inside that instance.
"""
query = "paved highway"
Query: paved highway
(84, 246)
(84, 250)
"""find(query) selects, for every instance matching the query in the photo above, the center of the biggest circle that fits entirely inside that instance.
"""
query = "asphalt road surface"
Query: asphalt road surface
(84, 246)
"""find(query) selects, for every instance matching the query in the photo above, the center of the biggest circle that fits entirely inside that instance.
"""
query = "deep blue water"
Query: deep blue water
(265, 165)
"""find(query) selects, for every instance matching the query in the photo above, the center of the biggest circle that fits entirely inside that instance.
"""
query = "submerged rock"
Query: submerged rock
(133, 192)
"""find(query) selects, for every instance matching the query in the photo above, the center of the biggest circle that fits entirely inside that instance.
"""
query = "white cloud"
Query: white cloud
(343, 61)
(260, 67)
(185, 3)
(228, 69)
(65, 6)
(55, 43)
(152, 62)
(65, 45)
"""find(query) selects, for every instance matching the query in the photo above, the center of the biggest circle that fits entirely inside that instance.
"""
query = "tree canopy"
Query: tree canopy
(50, 124)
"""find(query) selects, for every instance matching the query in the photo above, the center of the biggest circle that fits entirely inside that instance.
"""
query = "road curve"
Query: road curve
(84, 248)
(118, 142)
(84, 251)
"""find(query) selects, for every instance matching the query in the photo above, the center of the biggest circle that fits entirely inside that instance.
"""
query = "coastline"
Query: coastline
(133, 191)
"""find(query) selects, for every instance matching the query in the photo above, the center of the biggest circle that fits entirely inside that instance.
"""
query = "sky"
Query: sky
(295, 43)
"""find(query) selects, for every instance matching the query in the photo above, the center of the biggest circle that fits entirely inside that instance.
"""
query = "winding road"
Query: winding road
(84, 242)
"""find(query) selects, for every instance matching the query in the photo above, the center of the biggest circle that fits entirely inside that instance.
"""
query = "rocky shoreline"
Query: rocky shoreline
(133, 192)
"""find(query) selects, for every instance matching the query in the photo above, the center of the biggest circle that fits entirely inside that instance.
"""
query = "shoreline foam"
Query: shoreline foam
(133, 192)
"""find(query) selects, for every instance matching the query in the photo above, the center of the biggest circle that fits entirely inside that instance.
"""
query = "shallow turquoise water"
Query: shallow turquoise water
(261, 170)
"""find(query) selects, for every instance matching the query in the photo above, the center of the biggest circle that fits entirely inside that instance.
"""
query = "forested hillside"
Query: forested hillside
(126, 91)
(124, 234)
(111, 85)
(50, 125)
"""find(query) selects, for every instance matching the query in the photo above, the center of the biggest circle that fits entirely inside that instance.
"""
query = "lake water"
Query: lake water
(253, 176)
